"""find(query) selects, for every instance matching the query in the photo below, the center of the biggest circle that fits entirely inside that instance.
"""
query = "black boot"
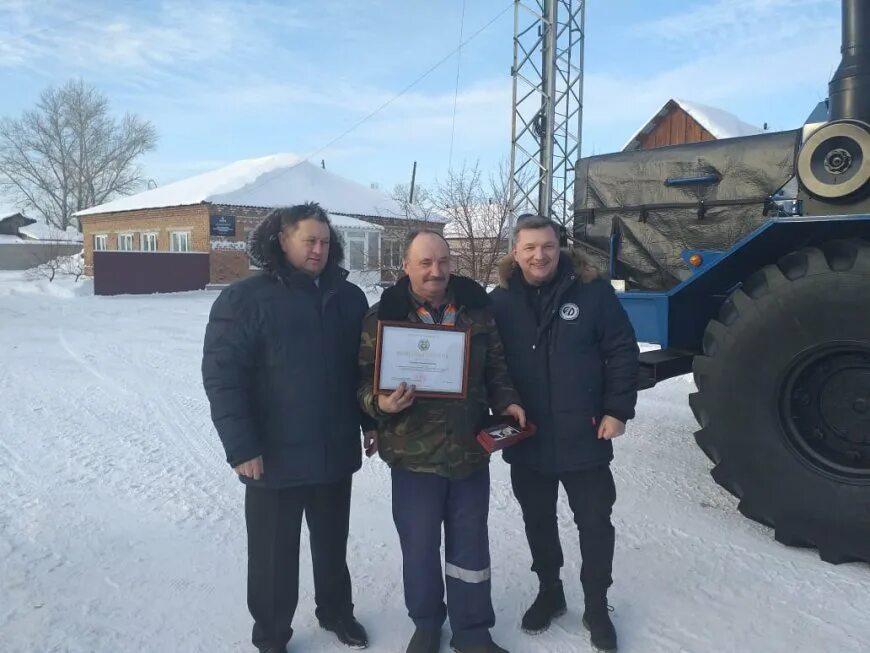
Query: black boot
(597, 621)
(425, 641)
(348, 630)
(549, 604)
(490, 647)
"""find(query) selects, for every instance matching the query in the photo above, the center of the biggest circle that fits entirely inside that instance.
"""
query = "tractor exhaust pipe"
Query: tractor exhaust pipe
(849, 89)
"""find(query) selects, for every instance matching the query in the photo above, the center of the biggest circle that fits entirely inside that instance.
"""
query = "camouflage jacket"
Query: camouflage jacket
(439, 435)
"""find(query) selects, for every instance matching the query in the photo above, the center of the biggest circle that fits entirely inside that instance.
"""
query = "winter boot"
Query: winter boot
(349, 631)
(425, 641)
(596, 620)
(490, 647)
(549, 604)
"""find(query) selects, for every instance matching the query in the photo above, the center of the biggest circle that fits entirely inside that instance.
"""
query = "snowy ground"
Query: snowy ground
(121, 528)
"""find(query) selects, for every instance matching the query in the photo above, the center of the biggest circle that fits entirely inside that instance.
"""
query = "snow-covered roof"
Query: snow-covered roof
(270, 181)
(719, 123)
(8, 210)
(43, 231)
(345, 222)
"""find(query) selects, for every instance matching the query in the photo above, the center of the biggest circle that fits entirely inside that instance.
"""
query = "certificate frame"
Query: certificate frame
(462, 334)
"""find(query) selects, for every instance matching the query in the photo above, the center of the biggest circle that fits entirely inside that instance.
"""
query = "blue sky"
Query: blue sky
(229, 79)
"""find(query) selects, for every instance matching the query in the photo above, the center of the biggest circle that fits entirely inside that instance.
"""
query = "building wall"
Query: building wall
(160, 221)
(393, 238)
(676, 127)
(229, 259)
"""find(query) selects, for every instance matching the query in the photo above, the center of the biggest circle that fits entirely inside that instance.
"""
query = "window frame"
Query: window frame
(395, 257)
(147, 234)
(188, 239)
(359, 237)
(128, 237)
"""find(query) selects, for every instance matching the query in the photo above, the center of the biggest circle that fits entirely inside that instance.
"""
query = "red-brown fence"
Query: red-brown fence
(143, 273)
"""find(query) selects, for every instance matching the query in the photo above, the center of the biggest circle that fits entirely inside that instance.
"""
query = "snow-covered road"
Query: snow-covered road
(121, 526)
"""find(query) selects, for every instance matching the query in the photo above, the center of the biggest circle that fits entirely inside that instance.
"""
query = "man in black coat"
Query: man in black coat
(280, 371)
(573, 357)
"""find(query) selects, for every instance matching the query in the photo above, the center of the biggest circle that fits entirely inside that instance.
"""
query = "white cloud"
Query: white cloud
(732, 53)
(733, 18)
(136, 37)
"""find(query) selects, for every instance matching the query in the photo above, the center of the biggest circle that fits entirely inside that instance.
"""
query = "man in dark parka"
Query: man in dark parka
(573, 357)
(280, 371)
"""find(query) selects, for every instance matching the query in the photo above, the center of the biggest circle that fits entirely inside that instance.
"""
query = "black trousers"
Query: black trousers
(591, 495)
(274, 521)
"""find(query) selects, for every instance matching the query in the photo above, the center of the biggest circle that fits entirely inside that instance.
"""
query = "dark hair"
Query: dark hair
(290, 216)
(264, 249)
(412, 236)
(532, 221)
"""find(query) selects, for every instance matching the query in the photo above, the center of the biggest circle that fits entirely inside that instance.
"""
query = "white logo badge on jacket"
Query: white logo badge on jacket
(569, 311)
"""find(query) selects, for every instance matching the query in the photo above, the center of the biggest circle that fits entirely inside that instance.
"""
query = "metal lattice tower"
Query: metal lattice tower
(547, 106)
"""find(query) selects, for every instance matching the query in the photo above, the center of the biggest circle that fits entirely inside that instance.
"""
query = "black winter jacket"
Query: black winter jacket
(579, 364)
(280, 370)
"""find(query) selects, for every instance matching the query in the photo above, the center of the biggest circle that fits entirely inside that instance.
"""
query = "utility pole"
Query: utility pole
(547, 111)
(413, 177)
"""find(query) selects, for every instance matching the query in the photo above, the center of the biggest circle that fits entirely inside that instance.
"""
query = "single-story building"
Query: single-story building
(680, 121)
(212, 214)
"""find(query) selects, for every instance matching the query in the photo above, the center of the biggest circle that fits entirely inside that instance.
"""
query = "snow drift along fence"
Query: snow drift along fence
(22, 256)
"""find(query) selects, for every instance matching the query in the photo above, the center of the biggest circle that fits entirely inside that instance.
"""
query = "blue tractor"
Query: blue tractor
(748, 261)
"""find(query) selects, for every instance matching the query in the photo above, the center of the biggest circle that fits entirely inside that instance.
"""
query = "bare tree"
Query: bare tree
(421, 209)
(411, 216)
(478, 209)
(69, 153)
(53, 257)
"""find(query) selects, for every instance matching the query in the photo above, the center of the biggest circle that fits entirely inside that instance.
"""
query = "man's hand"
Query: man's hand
(610, 428)
(370, 441)
(252, 469)
(402, 397)
(516, 411)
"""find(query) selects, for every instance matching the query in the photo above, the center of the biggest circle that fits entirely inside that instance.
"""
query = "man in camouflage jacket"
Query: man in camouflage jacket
(440, 473)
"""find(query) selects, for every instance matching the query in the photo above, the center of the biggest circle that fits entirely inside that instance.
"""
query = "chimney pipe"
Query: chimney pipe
(849, 90)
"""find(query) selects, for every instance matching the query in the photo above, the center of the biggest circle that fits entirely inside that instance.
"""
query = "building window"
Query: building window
(125, 242)
(179, 241)
(392, 250)
(101, 242)
(373, 255)
(148, 242)
(356, 251)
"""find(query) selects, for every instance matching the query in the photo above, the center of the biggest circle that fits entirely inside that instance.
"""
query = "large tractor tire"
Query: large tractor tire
(783, 398)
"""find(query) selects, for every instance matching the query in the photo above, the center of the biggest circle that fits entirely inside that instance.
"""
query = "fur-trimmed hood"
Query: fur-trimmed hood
(265, 251)
(583, 268)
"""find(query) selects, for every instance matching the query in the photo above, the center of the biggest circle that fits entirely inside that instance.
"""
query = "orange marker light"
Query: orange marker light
(695, 260)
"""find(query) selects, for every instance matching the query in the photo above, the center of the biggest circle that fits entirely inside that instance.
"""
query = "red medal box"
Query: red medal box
(503, 431)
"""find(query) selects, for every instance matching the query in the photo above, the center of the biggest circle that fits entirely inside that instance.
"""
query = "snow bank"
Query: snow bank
(122, 528)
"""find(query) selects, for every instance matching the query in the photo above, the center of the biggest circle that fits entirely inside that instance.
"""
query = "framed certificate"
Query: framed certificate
(432, 357)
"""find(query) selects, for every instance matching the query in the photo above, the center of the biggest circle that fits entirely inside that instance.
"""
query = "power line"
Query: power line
(412, 84)
(456, 91)
(383, 106)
